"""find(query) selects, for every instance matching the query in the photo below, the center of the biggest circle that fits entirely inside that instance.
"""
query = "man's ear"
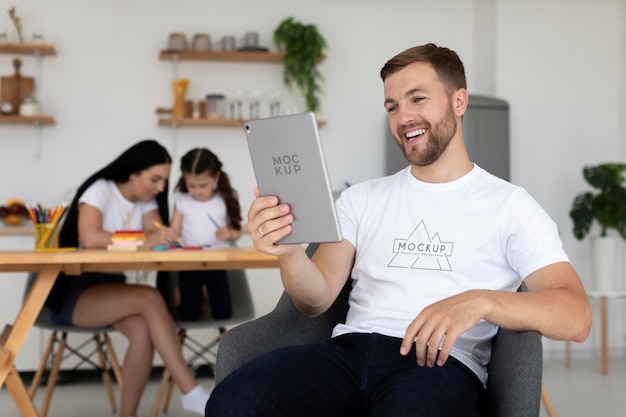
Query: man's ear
(460, 99)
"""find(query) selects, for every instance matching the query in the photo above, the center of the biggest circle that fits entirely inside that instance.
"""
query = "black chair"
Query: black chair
(52, 358)
(514, 386)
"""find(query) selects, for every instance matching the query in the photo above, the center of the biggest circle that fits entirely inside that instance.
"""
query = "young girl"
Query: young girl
(206, 213)
(129, 192)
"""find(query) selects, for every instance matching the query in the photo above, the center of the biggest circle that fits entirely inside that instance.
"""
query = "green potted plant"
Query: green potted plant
(607, 207)
(304, 48)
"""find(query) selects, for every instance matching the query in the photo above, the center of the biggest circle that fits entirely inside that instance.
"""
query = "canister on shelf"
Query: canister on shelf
(29, 107)
(215, 105)
(202, 109)
(201, 42)
(177, 42)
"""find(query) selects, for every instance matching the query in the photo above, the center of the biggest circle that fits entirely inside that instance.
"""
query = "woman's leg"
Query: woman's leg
(109, 304)
(137, 362)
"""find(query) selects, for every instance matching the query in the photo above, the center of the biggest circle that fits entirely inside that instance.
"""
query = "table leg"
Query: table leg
(604, 354)
(26, 319)
(21, 398)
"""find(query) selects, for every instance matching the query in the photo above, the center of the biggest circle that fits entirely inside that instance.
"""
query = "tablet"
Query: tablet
(289, 163)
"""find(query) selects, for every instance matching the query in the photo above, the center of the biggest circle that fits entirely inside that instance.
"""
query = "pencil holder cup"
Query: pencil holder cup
(46, 236)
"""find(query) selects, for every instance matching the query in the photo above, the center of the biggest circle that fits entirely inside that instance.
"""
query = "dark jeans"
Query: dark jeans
(349, 376)
(190, 284)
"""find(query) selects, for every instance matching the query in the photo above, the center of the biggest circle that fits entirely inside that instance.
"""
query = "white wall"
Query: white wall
(559, 64)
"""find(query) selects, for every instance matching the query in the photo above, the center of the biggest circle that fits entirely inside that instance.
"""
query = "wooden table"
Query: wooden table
(48, 265)
(603, 295)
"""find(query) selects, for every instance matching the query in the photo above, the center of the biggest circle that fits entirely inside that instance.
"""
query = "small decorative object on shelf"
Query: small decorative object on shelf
(180, 89)
(14, 212)
(304, 48)
(18, 24)
(201, 42)
(6, 108)
(16, 88)
(227, 43)
(215, 106)
(29, 106)
(177, 42)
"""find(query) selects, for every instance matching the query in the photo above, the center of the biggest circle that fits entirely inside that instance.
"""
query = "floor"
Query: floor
(580, 391)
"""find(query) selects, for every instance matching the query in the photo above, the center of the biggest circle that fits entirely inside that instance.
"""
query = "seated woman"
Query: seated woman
(130, 192)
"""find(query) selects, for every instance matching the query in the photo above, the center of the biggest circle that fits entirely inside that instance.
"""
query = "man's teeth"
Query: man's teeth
(415, 133)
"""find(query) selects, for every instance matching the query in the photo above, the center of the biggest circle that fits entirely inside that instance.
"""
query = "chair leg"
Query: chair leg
(165, 380)
(34, 385)
(545, 398)
(52, 378)
(106, 377)
(115, 365)
(169, 388)
(168, 395)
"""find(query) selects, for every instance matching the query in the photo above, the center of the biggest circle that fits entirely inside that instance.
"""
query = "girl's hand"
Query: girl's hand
(161, 236)
(223, 233)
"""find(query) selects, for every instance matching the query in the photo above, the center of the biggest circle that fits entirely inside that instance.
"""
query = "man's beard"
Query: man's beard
(439, 137)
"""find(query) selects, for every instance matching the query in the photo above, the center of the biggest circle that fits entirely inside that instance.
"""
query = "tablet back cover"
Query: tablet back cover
(288, 162)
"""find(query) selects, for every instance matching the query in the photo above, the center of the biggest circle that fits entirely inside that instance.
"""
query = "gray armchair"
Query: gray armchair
(514, 387)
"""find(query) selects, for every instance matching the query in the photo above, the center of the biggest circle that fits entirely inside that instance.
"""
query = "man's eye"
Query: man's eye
(417, 99)
(391, 108)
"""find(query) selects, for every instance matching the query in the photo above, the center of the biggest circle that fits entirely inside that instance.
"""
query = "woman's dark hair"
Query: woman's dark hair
(444, 61)
(200, 160)
(135, 159)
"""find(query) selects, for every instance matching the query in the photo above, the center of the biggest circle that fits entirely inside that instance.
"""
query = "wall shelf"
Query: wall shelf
(38, 50)
(214, 122)
(26, 229)
(27, 49)
(217, 122)
(227, 56)
(27, 120)
(218, 56)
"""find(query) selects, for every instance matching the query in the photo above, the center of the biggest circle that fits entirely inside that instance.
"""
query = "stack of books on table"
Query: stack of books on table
(127, 240)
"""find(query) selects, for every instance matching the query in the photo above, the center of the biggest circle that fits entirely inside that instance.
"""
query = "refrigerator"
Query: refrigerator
(486, 134)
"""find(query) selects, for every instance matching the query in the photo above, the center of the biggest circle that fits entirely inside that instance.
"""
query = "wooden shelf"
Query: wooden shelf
(215, 122)
(169, 121)
(27, 48)
(27, 120)
(224, 56)
(21, 230)
(237, 56)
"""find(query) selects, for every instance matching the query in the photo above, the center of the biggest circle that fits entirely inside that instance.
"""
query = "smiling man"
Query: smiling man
(436, 253)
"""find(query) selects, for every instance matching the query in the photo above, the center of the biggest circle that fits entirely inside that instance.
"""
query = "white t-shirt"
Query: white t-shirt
(115, 208)
(197, 227)
(417, 243)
